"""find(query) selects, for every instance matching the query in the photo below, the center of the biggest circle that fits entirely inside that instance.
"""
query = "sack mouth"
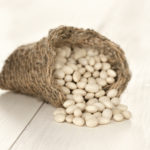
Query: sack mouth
(87, 38)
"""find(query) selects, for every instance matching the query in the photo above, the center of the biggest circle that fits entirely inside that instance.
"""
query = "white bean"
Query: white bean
(71, 61)
(86, 115)
(69, 118)
(79, 92)
(89, 95)
(112, 93)
(76, 76)
(103, 74)
(106, 102)
(67, 50)
(58, 65)
(118, 117)
(100, 93)
(89, 68)
(105, 66)
(92, 101)
(83, 61)
(103, 121)
(78, 98)
(73, 66)
(115, 101)
(78, 121)
(116, 111)
(59, 111)
(59, 118)
(77, 112)
(71, 109)
(60, 82)
(65, 90)
(107, 113)
(91, 61)
(81, 106)
(81, 85)
(59, 74)
(126, 114)
(97, 115)
(91, 122)
(101, 82)
(68, 103)
(99, 106)
(91, 80)
(96, 74)
(81, 70)
(104, 98)
(67, 70)
(103, 58)
(92, 88)
(98, 66)
(91, 108)
(92, 52)
(111, 73)
(79, 52)
(110, 80)
(68, 78)
(84, 80)
(87, 75)
(71, 85)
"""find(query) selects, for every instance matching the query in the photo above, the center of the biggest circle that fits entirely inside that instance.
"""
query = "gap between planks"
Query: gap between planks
(26, 125)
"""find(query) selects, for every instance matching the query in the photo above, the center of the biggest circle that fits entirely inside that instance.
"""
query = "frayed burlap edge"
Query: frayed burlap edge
(89, 38)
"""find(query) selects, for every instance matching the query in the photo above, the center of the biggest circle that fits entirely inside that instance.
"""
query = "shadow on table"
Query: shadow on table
(16, 106)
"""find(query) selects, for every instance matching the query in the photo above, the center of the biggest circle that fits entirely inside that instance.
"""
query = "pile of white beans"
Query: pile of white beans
(82, 74)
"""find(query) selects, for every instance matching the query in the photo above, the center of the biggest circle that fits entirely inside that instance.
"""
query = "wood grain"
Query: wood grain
(15, 113)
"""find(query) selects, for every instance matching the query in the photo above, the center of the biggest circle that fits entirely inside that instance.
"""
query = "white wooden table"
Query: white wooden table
(27, 123)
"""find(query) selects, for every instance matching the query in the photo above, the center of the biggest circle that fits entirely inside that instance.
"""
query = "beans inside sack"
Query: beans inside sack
(82, 75)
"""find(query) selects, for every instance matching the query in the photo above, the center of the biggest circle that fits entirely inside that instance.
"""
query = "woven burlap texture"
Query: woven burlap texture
(29, 69)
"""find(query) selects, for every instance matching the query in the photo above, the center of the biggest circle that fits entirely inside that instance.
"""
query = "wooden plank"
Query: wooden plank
(125, 28)
(15, 113)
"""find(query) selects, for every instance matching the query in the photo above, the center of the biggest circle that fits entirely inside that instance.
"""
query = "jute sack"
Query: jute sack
(29, 69)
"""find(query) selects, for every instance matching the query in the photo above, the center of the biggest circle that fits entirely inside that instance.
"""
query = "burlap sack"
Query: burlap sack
(29, 69)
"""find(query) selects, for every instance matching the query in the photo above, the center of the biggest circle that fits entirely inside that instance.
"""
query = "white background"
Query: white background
(27, 123)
